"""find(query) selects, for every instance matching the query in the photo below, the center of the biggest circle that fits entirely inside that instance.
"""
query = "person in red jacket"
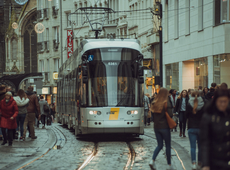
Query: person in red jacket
(9, 112)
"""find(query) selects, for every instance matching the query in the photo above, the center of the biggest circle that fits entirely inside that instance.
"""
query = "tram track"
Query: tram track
(131, 159)
(59, 135)
(128, 165)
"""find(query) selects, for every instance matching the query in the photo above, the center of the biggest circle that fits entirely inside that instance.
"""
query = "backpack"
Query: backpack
(46, 108)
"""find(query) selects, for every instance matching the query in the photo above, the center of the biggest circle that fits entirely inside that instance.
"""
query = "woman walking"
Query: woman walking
(161, 127)
(44, 113)
(181, 105)
(22, 103)
(9, 112)
(194, 112)
(215, 133)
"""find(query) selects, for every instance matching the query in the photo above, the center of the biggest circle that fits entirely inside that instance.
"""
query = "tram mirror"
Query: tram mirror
(85, 80)
(84, 58)
(140, 71)
(84, 71)
(140, 80)
(140, 57)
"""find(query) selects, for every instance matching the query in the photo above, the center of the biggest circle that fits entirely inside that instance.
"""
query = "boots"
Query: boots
(4, 142)
(184, 135)
(180, 134)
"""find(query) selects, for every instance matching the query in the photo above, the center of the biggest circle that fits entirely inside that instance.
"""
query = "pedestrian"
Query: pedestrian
(190, 92)
(9, 112)
(210, 94)
(2, 96)
(22, 103)
(215, 133)
(200, 88)
(161, 127)
(175, 115)
(146, 108)
(224, 86)
(194, 112)
(151, 100)
(205, 91)
(9, 88)
(52, 111)
(30, 116)
(44, 113)
(181, 105)
(174, 97)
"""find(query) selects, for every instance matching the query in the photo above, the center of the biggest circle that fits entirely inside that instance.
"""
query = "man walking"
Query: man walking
(30, 117)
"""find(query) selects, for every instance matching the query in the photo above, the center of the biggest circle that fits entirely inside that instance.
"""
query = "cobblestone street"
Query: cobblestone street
(58, 148)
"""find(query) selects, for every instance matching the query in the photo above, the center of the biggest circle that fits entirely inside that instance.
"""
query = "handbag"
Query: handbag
(149, 114)
(46, 108)
(172, 124)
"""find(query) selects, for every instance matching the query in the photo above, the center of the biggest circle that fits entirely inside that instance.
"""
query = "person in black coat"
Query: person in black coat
(194, 113)
(180, 108)
(215, 133)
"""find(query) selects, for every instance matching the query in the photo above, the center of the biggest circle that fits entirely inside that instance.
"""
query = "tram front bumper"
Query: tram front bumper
(126, 126)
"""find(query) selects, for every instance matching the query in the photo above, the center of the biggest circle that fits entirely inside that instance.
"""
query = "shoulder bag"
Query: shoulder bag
(172, 124)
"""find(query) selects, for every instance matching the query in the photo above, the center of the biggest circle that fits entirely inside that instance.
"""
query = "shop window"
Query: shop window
(172, 76)
(201, 72)
(221, 66)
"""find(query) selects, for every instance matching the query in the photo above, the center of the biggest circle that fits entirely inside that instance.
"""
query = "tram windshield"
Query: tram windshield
(113, 79)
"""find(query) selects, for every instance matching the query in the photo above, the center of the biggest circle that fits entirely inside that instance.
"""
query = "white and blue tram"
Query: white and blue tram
(100, 88)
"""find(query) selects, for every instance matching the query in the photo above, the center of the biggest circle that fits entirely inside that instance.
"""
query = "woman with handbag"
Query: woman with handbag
(194, 112)
(162, 112)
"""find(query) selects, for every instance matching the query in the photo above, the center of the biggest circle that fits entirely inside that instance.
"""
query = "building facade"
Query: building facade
(196, 43)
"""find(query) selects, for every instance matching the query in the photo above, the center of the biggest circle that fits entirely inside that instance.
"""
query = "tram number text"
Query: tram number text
(108, 113)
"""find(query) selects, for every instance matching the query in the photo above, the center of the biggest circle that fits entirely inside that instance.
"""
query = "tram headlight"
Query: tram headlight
(91, 112)
(135, 112)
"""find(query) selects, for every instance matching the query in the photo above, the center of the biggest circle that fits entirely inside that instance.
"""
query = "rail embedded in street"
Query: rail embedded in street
(132, 155)
(90, 158)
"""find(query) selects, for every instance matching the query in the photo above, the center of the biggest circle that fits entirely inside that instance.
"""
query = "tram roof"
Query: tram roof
(89, 44)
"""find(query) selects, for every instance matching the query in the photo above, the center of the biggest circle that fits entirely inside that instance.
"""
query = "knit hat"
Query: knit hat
(8, 93)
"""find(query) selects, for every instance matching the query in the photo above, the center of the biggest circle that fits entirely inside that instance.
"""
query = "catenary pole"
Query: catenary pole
(61, 32)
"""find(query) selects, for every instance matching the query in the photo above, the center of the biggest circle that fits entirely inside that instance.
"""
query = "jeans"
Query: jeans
(8, 136)
(146, 115)
(193, 135)
(20, 122)
(43, 119)
(163, 134)
(182, 121)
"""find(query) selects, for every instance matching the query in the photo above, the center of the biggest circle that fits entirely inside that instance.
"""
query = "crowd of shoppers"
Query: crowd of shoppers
(17, 113)
(205, 112)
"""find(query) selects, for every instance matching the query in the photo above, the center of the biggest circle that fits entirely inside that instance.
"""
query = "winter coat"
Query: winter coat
(8, 110)
(171, 97)
(209, 96)
(194, 119)
(43, 102)
(2, 95)
(179, 103)
(160, 121)
(33, 103)
(22, 104)
(215, 139)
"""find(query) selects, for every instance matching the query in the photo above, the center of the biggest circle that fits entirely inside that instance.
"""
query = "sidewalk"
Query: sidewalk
(25, 151)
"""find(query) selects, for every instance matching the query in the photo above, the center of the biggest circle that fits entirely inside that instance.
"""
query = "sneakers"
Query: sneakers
(170, 167)
(43, 127)
(10, 144)
(152, 165)
(194, 167)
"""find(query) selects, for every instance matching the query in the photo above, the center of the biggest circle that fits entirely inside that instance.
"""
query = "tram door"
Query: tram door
(78, 93)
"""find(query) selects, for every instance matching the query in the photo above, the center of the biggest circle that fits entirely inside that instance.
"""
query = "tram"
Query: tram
(100, 88)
